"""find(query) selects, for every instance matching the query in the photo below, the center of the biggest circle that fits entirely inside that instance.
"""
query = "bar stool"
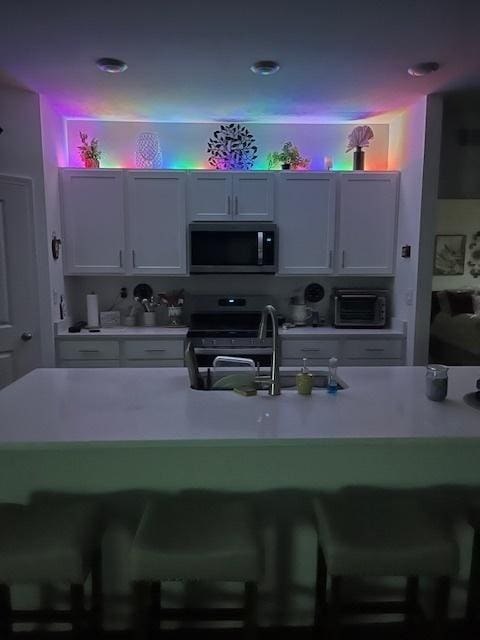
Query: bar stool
(50, 544)
(185, 540)
(375, 533)
(473, 594)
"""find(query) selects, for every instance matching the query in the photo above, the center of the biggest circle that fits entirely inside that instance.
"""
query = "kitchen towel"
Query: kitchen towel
(92, 310)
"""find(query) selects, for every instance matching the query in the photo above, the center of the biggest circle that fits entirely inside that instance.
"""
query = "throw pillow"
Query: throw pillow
(460, 302)
(476, 303)
(443, 302)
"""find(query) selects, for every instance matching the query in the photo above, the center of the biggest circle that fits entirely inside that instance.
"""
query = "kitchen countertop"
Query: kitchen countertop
(181, 332)
(128, 332)
(124, 405)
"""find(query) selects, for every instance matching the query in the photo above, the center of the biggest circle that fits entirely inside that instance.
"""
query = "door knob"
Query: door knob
(26, 336)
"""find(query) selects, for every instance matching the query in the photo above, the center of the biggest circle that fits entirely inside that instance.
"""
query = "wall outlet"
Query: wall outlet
(409, 297)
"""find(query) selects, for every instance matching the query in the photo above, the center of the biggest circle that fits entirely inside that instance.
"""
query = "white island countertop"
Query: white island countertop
(124, 405)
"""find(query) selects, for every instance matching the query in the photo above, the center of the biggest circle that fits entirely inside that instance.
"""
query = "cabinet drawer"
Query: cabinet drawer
(318, 349)
(373, 349)
(92, 364)
(153, 349)
(142, 364)
(88, 350)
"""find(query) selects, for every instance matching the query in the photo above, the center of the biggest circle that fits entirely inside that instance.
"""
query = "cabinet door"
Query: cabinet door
(367, 223)
(306, 222)
(156, 222)
(209, 196)
(93, 221)
(253, 194)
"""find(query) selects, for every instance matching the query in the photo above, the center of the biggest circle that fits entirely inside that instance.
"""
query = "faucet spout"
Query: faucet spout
(269, 311)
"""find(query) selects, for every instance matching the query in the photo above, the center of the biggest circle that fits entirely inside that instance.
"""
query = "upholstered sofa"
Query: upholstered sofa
(455, 327)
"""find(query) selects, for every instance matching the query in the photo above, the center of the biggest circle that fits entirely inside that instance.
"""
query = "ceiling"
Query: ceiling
(188, 61)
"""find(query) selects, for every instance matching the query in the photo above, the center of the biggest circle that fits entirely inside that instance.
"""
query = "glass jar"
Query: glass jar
(436, 382)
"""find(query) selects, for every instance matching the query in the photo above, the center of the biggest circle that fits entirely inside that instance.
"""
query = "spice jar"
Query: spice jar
(436, 380)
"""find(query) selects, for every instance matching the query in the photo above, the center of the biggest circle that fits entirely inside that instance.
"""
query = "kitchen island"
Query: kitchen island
(108, 430)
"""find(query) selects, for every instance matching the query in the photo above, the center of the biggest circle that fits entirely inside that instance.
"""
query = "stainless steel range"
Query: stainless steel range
(228, 325)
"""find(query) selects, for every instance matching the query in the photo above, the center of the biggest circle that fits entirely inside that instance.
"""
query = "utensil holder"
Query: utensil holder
(149, 319)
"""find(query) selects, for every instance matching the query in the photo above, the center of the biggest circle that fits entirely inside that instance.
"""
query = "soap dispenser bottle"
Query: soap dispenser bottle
(304, 380)
(332, 384)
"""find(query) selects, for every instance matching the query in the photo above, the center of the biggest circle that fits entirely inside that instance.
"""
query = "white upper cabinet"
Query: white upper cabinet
(216, 195)
(305, 215)
(156, 222)
(367, 221)
(93, 221)
(252, 195)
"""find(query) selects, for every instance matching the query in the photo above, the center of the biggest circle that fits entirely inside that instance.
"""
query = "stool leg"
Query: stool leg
(77, 605)
(440, 615)
(320, 590)
(5, 611)
(251, 601)
(155, 606)
(334, 607)
(141, 621)
(97, 593)
(473, 596)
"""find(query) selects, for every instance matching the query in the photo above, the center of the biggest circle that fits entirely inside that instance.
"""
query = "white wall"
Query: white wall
(184, 145)
(21, 155)
(455, 217)
(406, 151)
(54, 155)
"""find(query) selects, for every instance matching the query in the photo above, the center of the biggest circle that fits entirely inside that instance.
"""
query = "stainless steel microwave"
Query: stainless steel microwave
(233, 247)
(359, 308)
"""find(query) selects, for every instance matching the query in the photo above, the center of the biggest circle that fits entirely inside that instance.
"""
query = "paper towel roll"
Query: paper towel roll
(92, 310)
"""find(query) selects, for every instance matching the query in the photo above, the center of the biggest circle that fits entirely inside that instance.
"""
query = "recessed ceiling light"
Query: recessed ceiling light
(111, 65)
(265, 67)
(423, 68)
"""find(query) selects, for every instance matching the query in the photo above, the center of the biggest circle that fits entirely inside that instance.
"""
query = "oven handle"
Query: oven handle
(260, 247)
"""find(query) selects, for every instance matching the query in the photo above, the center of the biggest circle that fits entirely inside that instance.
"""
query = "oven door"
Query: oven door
(232, 247)
(358, 310)
(261, 356)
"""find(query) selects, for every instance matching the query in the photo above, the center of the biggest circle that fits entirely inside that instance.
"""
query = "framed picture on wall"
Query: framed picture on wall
(449, 255)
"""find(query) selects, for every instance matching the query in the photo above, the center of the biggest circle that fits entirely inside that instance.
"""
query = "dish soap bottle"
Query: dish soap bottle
(332, 384)
(304, 380)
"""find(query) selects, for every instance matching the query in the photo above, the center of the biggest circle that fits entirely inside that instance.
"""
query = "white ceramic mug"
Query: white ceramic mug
(300, 313)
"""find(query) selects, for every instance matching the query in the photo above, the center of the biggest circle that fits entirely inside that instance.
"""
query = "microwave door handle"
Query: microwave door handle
(368, 296)
(260, 247)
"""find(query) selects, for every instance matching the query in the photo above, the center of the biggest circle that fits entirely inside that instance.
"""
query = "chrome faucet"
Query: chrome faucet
(274, 380)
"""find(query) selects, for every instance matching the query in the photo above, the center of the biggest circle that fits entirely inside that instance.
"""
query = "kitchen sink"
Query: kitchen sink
(226, 381)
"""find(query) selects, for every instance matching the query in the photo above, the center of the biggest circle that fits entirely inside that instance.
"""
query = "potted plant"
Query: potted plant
(289, 158)
(89, 152)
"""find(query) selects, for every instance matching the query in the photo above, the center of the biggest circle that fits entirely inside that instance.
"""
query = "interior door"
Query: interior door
(19, 317)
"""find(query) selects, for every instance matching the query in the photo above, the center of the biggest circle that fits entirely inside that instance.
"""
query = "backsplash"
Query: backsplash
(280, 289)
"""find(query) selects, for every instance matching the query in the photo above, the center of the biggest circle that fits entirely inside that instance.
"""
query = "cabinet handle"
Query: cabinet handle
(89, 351)
(120, 258)
(133, 258)
(310, 350)
(378, 350)
(229, 205)
(343, 258)
(236, 206)
(330, 259)
(155, 350)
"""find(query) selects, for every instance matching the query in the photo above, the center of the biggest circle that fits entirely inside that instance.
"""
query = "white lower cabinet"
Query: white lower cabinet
(91, 352)
(153, 353)
(318, 352)
(351, 352)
